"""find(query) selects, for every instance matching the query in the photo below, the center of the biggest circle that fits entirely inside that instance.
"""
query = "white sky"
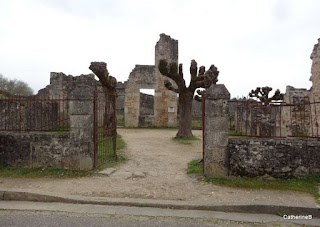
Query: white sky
(252, 42)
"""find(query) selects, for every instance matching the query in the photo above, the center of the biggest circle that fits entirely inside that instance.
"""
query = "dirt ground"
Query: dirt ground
(164, 164)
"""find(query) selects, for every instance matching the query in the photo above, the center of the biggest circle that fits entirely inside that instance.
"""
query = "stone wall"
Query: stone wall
(35, 149)
(72, 150)
(283, 158)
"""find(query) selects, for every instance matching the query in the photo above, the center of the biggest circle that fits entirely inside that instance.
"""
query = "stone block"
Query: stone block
(218, 123)
(85, 163)
(81, 121)
(216, 154)
(214, 138)
(215, 169)
(216, 108)
(79, 107)
(217, 91)
(84, 92)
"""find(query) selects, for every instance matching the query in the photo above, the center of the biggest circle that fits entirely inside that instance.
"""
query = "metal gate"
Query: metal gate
(104, 142)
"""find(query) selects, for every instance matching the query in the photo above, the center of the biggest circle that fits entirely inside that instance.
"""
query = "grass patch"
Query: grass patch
(304, 184)
(196, 124)
(185, 141)
(235, 133)
(111, 160)
(194, 167)
(42, 172)
(152, 127)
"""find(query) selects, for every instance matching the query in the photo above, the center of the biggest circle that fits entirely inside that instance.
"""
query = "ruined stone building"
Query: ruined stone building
(305, 118)
(164, 110)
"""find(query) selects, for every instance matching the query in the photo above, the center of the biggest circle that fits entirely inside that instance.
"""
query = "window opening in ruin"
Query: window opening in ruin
(146, 110)
(147, 91)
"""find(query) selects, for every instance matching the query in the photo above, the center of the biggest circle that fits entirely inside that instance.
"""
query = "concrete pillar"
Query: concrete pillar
(81, 113)
(216, 132)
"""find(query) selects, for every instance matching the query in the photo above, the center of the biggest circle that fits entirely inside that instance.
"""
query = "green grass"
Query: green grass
(196, 124)
(111, 159)
(120, 119)
(303, 184)
(185, 141)
(194, 167)
(59, 129)
(42, 172)
(235, 133)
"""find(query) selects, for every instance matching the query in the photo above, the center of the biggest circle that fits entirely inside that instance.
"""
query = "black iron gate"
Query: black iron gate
(104, 142)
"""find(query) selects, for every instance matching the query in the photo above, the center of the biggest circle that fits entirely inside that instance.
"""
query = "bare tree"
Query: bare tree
(201, 79)
(15, 86)
(109, 88)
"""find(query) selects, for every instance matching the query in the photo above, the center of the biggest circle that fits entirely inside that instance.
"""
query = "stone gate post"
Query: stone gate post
(216, 132)
(81, 128)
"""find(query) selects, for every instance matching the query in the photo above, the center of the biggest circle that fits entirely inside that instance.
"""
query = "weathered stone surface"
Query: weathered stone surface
(34, 149)
(138, 174)
(81, 128)
(122, 175)
(217, 92)
(107, 171)
(301, 171)
(216, 131)
(166, 48)
(276, 157)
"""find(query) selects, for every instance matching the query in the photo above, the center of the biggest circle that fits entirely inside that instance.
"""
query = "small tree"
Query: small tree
(263, 95)
(15, 86)
(109, 88)
(267, 119)
(201, 79)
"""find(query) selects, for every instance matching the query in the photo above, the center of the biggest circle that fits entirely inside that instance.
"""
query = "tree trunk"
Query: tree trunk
(110, 117)
(185, 119)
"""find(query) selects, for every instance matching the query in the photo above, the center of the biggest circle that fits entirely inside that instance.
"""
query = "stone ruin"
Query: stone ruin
(139, 109)
(301, 116)
(164, 110)
(301, 96)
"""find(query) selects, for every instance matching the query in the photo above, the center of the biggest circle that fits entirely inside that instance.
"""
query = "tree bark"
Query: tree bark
(109, 88)
(201, 79)
(185, 119)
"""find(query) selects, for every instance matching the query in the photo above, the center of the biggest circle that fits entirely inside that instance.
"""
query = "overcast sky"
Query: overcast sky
(252, 42)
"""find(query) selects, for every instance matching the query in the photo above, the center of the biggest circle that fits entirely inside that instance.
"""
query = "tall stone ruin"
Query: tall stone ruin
(315, 89)
(148, 77)
(165, 101)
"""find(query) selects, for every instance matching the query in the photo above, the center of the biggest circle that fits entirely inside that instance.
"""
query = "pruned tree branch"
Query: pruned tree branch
(170, 87)
(173, 73)
(100, 69)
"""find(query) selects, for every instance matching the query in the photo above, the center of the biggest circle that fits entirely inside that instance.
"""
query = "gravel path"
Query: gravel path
(156, 168)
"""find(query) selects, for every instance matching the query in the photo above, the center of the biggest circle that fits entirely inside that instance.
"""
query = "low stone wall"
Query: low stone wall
(276, 157)
(35, 149)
